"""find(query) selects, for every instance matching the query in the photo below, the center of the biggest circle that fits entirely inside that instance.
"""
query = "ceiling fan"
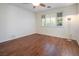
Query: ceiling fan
(36, 5)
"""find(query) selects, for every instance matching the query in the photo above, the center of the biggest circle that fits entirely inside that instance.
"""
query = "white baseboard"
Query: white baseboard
(7, 39)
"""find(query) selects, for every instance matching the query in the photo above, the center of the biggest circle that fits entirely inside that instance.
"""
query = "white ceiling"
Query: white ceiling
(29, 6)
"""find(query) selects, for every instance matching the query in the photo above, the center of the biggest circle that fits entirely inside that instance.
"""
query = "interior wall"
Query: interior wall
(77, 24)
(3, 28)
(69, 28)
(15, 22)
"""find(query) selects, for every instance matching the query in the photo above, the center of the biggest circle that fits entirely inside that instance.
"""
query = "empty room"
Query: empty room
(39, 29)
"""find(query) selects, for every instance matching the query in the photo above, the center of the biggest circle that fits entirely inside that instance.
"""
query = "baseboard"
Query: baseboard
(54, 36)
(15, 37)
(61, 37)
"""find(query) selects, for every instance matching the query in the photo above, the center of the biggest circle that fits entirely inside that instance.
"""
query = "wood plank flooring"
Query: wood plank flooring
(39, 45)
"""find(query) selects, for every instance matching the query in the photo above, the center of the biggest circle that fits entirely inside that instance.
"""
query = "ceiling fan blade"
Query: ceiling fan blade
(34, 6)
(43, 5)
(48, 6)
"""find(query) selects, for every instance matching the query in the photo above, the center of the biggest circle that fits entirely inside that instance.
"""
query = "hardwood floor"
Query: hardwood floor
(39, 45)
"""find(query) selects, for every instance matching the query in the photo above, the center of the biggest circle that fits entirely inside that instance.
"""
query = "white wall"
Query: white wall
(77, 24)
(69, 30)
(3, 29)
(15, 22)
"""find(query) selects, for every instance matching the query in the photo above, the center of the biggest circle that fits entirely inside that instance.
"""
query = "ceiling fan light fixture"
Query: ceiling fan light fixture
(39, 5)
(36, 4)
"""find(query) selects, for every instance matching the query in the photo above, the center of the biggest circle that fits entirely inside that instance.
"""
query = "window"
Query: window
(47, 20)
(59, 19)
(50, 20)
(43, 18)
